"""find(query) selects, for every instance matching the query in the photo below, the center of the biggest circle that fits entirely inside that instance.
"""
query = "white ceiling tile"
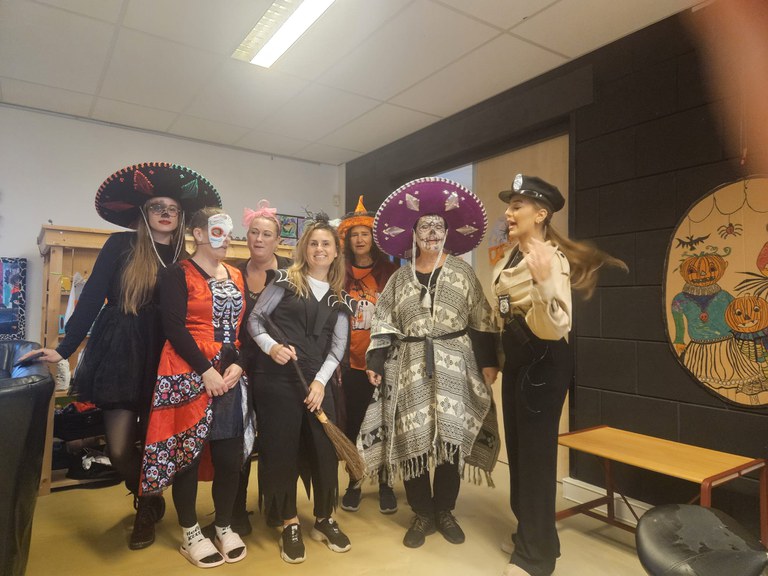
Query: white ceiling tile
(419, 40)
(202, 129)
(271, 143)
(49, 46)
(108, 10)
(132, 115)
(494, 67)
(502, 14)
(380, 126)
(344, 25)
(216, 26)
(45, 97)
(326, 155)
(599, 22)
(240, 93)
(156, 73)
(316, 112)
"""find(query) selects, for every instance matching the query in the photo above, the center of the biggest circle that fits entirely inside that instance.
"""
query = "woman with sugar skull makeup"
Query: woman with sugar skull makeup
(118, 368)
(432, 412)
(200, 402)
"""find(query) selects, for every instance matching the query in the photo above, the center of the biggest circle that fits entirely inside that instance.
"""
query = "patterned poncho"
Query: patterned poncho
(415, 422)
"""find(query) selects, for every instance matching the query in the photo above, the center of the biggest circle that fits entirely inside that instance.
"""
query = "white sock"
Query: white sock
(192, 535)
(220, 531)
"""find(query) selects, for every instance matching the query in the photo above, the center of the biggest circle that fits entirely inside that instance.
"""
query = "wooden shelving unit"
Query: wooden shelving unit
(66, 250)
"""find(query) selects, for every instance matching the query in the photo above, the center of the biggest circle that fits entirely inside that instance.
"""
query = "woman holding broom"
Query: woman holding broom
(306, 302)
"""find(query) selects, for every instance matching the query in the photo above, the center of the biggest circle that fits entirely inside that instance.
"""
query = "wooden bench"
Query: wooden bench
(708, 468)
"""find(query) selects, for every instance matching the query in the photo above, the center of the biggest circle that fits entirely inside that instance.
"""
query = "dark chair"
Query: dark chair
(25, 395)
(688, 540)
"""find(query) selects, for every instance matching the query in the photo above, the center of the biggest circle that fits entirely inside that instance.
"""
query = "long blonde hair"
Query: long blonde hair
(137, 285)
(299, 270)
(585, 258)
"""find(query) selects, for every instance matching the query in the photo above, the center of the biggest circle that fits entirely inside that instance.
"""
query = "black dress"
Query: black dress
(118, 367)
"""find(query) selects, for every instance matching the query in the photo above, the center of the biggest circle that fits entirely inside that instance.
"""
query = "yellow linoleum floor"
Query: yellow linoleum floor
(85, 532)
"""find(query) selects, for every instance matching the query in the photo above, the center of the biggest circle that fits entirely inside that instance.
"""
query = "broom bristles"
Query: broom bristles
(344, 448)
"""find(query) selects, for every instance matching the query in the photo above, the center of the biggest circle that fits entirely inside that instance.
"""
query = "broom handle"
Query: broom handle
(276, 331)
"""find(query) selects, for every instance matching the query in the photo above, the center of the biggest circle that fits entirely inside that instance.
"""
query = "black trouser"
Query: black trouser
(289, 433)
(426, 497)
(227, 457)
(535, 381)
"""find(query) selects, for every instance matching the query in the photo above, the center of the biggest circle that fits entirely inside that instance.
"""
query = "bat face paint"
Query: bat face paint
(219, 229)
(430, 233)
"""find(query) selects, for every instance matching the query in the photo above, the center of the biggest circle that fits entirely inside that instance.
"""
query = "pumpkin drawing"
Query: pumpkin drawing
(703, 270)
(747, 314)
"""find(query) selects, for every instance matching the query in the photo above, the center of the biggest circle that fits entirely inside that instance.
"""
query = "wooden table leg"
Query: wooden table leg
(610, 507)
(764, 505)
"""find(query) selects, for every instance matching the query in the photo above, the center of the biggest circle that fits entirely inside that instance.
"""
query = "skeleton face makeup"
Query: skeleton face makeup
(219, 228)
(430, 233)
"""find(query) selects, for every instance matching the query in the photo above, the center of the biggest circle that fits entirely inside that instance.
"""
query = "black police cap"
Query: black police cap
(535, 188)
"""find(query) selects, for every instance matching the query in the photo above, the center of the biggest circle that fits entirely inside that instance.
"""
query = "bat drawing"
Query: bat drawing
(690, 242)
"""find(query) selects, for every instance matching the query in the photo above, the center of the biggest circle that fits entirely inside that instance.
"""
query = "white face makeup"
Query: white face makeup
(219, 229)
(430, 233)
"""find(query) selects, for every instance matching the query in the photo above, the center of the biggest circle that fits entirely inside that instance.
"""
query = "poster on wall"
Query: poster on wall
(13, 299)
(716, 292)
(291, 228)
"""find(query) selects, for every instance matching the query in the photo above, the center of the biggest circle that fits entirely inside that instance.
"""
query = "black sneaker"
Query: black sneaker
(422, 526)
(327, 530)
(387, 500)
(292, 545)
(351, 500)
(448, 527)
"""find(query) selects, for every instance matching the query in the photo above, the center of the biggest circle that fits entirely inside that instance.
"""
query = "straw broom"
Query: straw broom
(345, 450)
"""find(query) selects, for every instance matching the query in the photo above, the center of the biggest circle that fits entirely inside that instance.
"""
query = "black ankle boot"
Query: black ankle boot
(149, 509)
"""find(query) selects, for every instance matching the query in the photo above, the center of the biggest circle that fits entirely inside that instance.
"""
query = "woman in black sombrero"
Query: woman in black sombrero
(118, 368)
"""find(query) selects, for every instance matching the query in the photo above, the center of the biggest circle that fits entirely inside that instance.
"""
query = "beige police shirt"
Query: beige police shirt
(545, 306)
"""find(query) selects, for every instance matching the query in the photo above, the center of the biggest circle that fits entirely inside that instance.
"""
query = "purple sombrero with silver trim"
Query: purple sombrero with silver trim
(463, 212)
(121, 196)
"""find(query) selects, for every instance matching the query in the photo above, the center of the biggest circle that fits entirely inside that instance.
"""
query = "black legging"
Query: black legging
(227, 457)
(428, 497)
(121, 428)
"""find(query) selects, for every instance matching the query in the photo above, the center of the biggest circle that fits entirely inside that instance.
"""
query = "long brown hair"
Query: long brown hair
(299, 270)
(585, 258)
(137, 284)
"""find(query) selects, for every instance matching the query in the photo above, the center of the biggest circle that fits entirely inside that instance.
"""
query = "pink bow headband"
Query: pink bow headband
(263, 211)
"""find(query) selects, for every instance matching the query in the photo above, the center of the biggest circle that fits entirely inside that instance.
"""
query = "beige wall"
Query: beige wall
(548, 160)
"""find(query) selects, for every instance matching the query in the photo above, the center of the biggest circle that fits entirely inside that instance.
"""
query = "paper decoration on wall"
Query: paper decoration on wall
(716, 291)
(497, 240)
(13, 298)
(291, 228)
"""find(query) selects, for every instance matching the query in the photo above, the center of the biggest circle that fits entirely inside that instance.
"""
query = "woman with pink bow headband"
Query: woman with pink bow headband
(262, 237)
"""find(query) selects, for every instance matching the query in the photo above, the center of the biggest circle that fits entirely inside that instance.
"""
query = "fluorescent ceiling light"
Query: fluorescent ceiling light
(282, 24)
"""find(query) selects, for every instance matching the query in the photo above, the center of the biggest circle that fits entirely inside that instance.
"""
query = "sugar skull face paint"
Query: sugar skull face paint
(430, 233)
(219, 228)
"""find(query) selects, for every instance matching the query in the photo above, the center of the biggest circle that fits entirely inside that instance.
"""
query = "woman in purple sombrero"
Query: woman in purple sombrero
(432, 413)
(118, 368)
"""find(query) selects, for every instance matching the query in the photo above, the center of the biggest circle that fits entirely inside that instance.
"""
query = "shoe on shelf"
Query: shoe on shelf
(202, 554)
(147, 510)
(327, 530)
(387, 499)
(351, 500)
(292, 544)
(448, 527)
(422, 526)
(508, 544)
(231, 546)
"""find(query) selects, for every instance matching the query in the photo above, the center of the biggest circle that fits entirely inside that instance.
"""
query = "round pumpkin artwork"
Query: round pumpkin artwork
(716, 288)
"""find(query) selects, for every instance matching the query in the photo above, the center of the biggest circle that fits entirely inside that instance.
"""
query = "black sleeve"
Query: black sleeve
(484, 347)
(94, 292)
(173, 307)
(374, 360)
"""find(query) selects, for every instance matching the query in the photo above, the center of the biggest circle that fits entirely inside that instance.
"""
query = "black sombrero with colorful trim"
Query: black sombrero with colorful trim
(121, 196)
